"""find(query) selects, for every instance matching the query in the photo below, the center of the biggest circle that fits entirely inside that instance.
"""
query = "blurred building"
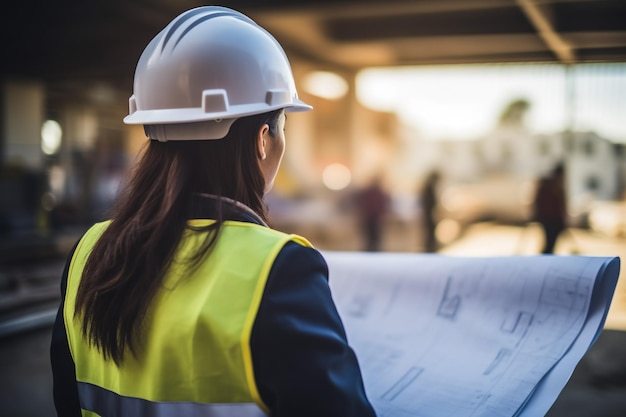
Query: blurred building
(493, 178)
(81, 84)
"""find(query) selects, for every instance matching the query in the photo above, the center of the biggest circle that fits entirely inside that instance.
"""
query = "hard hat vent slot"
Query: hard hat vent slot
(214, 101)
(278, 97)
(132, 104)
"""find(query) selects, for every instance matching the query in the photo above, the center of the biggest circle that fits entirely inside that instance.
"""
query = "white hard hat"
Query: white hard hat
(208, 67)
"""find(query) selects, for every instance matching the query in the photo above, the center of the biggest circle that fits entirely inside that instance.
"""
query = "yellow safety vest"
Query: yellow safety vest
(195, 357)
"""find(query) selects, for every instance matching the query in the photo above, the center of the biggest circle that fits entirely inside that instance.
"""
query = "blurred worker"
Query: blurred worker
(550, 207)
(373, 204)
(428, 200)
(186, 302)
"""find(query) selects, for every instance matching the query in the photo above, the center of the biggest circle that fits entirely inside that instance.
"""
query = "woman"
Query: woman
(186, 302)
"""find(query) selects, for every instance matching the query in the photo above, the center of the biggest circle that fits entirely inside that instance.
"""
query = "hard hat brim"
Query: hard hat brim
(190, 115)
(196, 129)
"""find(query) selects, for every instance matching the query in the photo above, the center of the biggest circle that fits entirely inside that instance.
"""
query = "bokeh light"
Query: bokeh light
(325, 84)
(336, 176)
(51, 134)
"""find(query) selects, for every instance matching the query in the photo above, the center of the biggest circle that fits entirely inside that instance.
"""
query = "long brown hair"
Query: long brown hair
(127, 265)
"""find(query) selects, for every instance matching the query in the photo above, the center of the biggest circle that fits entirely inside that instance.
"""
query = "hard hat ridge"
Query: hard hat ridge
(210, 64)
(195, 17)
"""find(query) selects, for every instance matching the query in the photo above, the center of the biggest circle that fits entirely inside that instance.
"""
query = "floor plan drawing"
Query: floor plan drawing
(444, 336)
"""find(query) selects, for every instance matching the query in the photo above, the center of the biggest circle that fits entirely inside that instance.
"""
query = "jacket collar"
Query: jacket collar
(208, 206)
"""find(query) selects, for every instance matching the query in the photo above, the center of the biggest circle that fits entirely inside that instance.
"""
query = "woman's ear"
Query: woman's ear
(262, 141)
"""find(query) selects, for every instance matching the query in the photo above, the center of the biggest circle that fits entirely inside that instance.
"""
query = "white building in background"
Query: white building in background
(594, 166)
(494, 176)
(520, 153)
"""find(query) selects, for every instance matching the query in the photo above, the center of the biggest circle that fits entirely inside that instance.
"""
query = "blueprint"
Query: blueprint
(451, 336)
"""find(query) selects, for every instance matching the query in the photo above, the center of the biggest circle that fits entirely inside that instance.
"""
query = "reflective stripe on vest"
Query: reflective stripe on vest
(195, 346)
(109, 404)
